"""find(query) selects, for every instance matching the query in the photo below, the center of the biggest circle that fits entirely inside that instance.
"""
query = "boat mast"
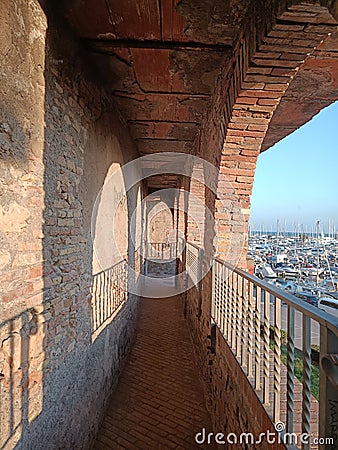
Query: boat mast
(317, 242)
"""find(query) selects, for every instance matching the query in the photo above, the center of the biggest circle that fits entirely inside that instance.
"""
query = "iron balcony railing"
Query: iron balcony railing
(109, 292)
(161, 250)
(276, 338)
(159, 253)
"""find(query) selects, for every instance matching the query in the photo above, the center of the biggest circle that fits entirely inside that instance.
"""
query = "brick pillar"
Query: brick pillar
(196, 207)
(271, 69)
(232, 210)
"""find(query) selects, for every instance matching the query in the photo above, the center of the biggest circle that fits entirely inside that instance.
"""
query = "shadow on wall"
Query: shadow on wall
(13, 138)
(55, 378)
(21, 335)
(21, 389)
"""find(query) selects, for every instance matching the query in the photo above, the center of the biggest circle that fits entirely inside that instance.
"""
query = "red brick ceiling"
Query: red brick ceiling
(163, 58)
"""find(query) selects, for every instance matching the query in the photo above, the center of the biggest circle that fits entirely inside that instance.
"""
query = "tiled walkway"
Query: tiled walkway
(159, 402)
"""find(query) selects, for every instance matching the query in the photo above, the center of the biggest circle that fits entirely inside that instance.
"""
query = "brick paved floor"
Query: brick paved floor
(159, 402)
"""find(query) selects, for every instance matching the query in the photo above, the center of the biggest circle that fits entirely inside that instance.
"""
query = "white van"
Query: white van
(329, 304)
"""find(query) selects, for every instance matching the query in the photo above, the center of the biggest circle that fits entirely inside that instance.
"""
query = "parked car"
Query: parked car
(329, 304)
(309, 298)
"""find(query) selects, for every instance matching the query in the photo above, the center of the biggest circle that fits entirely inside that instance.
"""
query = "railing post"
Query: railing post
(277, 359)
(306, 403)
(290, 369)
(328, 393)
(223, 299)
(213, 290)
(200, 259)
(146, 257)
(239, 311)
(251, 330)
(266, 349)
(183, 278)
(228, 302)
(244, 326)
(258, 339)
(234, 276)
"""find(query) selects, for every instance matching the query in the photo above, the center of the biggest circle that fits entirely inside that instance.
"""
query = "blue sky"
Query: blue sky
(296, 180)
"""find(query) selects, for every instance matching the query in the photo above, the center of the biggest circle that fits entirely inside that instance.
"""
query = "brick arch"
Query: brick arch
(304, 38)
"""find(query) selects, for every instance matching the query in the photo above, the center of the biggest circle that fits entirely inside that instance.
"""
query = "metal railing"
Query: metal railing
(164, 250)
(269, 331)
(161, 250)
(194, 256)
(193, 263)
(109, 292)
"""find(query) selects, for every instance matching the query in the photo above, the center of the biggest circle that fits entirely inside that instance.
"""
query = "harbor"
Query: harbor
(302, 264)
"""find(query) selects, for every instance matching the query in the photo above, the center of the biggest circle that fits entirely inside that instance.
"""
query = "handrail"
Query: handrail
(113, 266)
(315, 313)
(321, 316)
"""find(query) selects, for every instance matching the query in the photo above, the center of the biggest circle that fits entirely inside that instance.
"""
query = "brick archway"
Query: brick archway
(290, 78)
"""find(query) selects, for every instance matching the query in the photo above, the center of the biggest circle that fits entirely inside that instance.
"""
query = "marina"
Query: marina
(305, 265)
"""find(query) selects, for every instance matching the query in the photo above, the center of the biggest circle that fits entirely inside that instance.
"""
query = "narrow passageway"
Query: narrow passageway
(159, 402)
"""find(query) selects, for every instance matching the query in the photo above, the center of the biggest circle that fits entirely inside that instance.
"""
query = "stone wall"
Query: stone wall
(60, 138)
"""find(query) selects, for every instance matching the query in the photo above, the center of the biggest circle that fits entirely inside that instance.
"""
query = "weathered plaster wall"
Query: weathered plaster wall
(160, 227)
(22, 87)
(60, 137)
